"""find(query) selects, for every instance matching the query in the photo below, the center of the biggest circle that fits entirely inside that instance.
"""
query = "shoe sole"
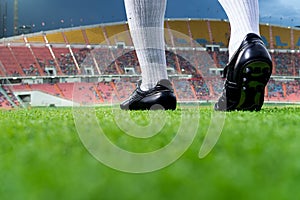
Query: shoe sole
(254, 78)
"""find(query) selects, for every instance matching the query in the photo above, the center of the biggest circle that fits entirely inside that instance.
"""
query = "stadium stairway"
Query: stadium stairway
(12, 101)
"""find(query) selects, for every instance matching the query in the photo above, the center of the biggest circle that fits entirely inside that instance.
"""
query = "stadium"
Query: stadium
(101, 58)
(60, 90)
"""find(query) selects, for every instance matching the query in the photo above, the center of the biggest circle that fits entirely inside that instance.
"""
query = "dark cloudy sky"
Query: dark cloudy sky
(52, 14)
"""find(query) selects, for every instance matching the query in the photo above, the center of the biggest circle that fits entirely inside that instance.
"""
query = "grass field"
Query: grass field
(256, 157)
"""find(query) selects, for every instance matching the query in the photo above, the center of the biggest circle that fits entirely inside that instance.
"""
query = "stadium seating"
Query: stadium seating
(65, 60)
(179, 34)
(96, 50)
(199, 31)
(55, 38)
(9, 63)
(45, 59)
(9, 99)
(222, 58)
(203, 31)
(265, 33)
(108, 60)
(27, 61)
(86, 94)
(293, 90)
(200, 89)
(124, 88)
(215, 86)
(47, 88)
(4, 103)
(219, 37)
(184, 90)
(95, 35)
(86, 60)
(66, 90)
(118, 33)
(108, 92)
(75, 37)
(21, 87)
(281, 37)
(275, 91)
(296, 38)
(194, 89)
(36, 39)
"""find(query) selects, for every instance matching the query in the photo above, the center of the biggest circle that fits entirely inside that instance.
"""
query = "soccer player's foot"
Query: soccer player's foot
(247, 75)
(159, 97)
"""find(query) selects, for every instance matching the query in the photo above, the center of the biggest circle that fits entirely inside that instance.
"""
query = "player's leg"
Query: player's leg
(250, 65)
(146, 24)
(243, 17)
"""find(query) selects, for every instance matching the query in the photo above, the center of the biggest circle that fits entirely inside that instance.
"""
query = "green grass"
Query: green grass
(257, 157)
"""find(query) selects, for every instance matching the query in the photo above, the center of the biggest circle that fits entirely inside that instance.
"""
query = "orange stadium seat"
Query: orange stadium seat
(275, 91)
(124, 88)
(105, 59)
(167, 35)
(2, 71)
(46, 88)
(265, 34)
(118, 33)
(36, 39)
(201, 89)
(293, 91)
(66, 89)
(4, 103)
(65, 60)
(281, 37)
(95, 35)
(19, 39)
(200, 31)
(75, 37)
(107, 92)
(220, 37)
(27, 61)
(179, 26)
(180, 33)
(216, 85)
(55, 38)
(44, 57)
(10, 64)
(297, 38)
(22, 87)
(184, 90)
(85, 60)
(43, 54)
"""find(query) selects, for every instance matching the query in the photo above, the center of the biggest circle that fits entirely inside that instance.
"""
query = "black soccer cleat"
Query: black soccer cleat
(158, 98)
(247, 75)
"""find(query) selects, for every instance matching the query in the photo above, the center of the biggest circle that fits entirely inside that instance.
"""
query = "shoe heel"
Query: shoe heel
(168, 103)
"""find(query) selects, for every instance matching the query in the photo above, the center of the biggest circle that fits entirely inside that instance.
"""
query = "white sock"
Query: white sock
(244, 18)
(146, 24)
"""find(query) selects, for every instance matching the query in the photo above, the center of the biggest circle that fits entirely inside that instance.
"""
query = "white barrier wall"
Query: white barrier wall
(38, 98)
